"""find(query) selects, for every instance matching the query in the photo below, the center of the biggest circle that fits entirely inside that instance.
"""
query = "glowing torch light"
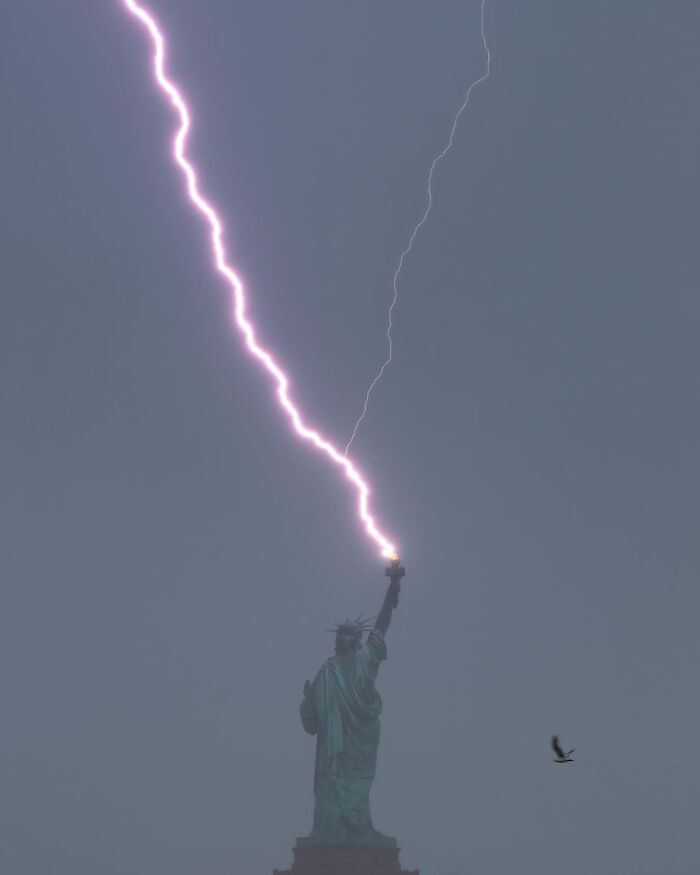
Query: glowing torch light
(243, 325)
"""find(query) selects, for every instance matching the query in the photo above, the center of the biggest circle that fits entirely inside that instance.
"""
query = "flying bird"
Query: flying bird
(562, 755)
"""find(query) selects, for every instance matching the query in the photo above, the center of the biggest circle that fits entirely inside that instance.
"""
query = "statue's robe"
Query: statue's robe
(342, 710)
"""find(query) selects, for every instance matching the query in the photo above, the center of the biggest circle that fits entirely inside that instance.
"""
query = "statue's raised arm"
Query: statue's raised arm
(341, 708)
(394, 572)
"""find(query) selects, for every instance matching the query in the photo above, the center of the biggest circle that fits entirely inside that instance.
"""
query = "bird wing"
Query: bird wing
(569, 752)
(556, 747)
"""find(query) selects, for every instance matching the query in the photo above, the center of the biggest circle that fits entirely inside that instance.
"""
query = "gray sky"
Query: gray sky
(171, 560)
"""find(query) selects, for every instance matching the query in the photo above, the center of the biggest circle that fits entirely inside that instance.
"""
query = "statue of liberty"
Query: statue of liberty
(341, 708)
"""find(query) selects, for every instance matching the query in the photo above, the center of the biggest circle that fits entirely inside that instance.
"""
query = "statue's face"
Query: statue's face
(345, 644)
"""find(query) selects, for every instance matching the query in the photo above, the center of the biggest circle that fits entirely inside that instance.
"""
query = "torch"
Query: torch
(395, 571)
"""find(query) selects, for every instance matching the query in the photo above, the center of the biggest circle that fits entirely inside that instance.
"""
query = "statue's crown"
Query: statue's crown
(354, 628)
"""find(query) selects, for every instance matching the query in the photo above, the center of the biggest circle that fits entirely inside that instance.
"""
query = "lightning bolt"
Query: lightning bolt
(243, 325)
(420, 224)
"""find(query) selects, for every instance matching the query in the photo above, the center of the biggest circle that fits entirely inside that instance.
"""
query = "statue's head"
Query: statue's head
(348, 635)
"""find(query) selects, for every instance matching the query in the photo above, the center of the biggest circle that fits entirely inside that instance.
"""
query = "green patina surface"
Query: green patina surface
(341, 708)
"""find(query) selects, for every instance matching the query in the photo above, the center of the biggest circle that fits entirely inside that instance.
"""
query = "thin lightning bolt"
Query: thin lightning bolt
(420, 224)
(238, 298)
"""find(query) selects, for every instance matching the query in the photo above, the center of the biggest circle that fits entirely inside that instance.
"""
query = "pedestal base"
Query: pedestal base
(345, 860)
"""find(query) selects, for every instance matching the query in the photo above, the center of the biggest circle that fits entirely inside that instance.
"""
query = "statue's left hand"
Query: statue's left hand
(307, 689)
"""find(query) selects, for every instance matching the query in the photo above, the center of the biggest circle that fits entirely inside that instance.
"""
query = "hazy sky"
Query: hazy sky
(171, 559)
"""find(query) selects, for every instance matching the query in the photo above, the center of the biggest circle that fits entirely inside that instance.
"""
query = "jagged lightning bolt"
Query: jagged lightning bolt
(420, 224)
(238, 297)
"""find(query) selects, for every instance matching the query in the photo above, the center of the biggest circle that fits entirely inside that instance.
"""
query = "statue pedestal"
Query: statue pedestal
(345, 860)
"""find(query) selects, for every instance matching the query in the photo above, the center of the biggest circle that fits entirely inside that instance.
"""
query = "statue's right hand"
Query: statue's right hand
(307, 689)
